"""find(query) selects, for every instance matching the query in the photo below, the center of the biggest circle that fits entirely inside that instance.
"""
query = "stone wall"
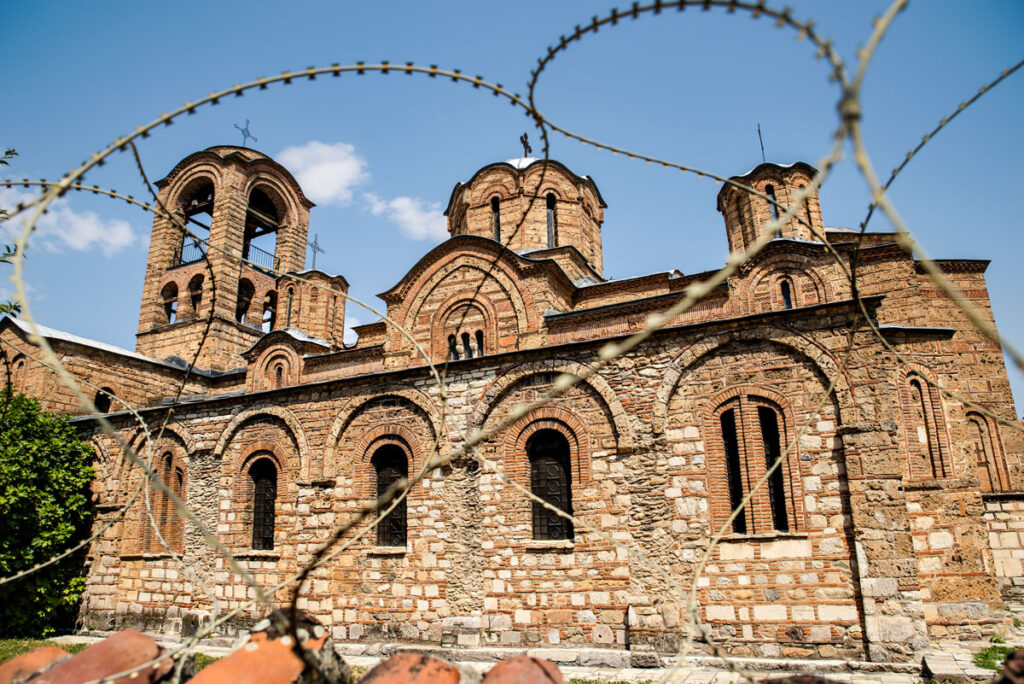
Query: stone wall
(1004, 514)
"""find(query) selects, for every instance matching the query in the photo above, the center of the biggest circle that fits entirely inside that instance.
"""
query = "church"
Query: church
(895, 517)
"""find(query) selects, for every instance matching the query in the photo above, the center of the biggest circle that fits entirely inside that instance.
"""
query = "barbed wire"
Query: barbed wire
(444, 451)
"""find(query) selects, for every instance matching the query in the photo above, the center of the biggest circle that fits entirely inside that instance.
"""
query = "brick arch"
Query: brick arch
(481, 189)
(205, 170)
(507, 278)
(329, 464)
(624, 434)
(374, 438)
(280, 193)
(494, 186)
(439, 323)
(821, 358)
(550, 418)
(783, 265)
(137, 441)
(937, 408)
(292, 424)
(263, 376)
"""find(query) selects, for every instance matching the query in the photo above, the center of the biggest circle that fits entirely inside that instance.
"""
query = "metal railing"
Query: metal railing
(193, 249)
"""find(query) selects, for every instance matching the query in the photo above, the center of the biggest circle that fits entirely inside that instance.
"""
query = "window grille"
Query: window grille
(390, 464)
(264, 482)
(550, 479)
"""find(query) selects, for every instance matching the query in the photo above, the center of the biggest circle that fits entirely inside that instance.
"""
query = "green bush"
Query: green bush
(44, 506)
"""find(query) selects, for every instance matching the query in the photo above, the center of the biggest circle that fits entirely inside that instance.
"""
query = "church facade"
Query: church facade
(891, 521)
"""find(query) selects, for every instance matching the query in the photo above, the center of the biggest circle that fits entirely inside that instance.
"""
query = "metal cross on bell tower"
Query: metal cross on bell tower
(246, 133)
(315, 246)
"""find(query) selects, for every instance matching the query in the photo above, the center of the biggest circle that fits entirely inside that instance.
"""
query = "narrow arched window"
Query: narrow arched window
(245, 294)
(165, 516)
(479, 342)
(102, 399)
(466, 346)
(264, 498)
(195, 294)
(278, 375)
(169, 295)
(552, 221)
(787, 294)
(496, 218)
(986, 454)
(925, 455)
(548, 453)
(453, 348)
(288, 317)
(390, 464)
(769, 424)
(733, 469)
(269, 311)
(773, 204)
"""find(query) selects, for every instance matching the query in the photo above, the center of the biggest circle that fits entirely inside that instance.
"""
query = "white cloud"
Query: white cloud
(63, 227)
(327, 173)
(350, 334)
(416, 219)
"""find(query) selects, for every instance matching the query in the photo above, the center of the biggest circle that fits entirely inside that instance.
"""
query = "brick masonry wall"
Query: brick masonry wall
(878, 556)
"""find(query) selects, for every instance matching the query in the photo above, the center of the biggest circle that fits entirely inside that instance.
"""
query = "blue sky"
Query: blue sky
(383, 152)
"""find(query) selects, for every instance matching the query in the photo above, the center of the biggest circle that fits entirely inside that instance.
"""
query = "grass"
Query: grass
(12, 648)
(202, 660)
(991, 658)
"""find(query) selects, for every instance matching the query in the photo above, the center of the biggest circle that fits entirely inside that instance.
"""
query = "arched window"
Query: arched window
(453, 348)
(785, 289)
(390, 464)
(467, 346)
(496, 218)
(985, 454)
(269, 311)
(922, 412)
(479, 342)
(552, 220)
(288, 317)
(278, 375)
(169, 295)
(773, 204)
(102, 399)
(245, 294)
(264, 497)
(753, 440)
(195, 294)
(550, 479)
(165, 516)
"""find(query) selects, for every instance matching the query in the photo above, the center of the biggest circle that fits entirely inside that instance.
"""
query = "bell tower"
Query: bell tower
(248, 220)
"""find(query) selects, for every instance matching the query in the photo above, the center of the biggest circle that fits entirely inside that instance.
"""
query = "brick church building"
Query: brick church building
(894, 520)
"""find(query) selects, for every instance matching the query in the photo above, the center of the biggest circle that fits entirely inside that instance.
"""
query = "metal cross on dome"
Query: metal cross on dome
(525, 140)
(315, 246)
(246, 134)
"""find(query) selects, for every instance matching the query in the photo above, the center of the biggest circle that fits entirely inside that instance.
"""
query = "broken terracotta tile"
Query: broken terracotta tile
(33, 661)
(412, 668)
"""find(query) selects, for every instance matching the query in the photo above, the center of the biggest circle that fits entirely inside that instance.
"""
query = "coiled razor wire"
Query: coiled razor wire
(443, 450)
